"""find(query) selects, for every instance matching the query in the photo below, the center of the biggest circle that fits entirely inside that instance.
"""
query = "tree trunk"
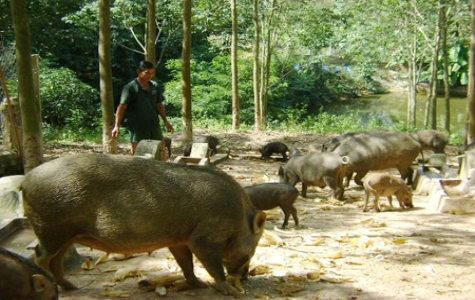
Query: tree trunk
(256, 67)
(266, 63)
(109, 144)
(411, 105)
(443, 22)
(471, 83)
(29, 103)
(151, 33)
(431, 104)
(186, 73)
(234, 67)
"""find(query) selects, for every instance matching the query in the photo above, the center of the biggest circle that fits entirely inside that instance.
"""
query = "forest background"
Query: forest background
(312, 53)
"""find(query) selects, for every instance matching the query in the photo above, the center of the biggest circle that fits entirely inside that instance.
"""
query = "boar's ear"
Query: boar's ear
(39, 282)
(259, 221)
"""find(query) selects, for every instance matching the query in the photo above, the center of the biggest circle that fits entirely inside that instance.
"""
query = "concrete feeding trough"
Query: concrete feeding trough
(446, 193)
(456, 187)
(17, 236)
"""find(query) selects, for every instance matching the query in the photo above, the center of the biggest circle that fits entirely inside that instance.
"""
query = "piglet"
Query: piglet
(386, 185)
(270, 195)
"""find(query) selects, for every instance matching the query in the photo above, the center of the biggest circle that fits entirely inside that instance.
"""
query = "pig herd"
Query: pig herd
(128, 205)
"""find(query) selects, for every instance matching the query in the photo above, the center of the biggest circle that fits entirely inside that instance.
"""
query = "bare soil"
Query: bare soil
(337, 252)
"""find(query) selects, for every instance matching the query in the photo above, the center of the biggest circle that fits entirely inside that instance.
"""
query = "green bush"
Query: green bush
(68, 102)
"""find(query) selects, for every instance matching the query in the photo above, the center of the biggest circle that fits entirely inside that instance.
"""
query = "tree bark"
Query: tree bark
(471, 82)
(151, 53)
(29, 103)
(234, 67)
(256, 67)
(186, 73)
(445, 53)
(431, 104)
(109, 144)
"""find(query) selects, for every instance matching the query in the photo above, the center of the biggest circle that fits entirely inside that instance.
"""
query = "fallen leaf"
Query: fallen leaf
(120, 294)
(259, 270)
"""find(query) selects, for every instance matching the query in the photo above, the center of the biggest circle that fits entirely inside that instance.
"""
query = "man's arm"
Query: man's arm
(119, 116)
(162, 113)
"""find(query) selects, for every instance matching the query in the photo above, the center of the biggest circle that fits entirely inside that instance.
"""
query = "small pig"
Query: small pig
(318, 169)
(274, 147)
(270, 195)
(127, 205)
(386, 185)
(23, 280)
(212, 141)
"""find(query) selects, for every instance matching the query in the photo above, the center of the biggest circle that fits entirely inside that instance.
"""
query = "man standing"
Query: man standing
(140, 104)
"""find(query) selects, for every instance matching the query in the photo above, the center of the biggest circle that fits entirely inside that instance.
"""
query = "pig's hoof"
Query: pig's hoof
(66, 285)
(195, 282)
(228, 289)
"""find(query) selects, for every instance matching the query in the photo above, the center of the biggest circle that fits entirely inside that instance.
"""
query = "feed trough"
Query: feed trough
(456, 187)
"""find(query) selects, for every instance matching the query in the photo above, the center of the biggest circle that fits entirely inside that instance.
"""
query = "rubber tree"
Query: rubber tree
(109, 144)
(236, 106)
(256, 66)
(30, 106)
(471, 82)
(186, 74)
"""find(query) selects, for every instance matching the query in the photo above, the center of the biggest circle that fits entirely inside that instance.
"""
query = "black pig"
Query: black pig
(274, 147)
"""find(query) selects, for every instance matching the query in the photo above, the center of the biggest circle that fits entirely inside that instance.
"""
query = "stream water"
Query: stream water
(392, 108)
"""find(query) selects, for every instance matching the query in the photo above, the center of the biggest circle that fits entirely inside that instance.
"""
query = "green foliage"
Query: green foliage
(306, 86)
(66, 102)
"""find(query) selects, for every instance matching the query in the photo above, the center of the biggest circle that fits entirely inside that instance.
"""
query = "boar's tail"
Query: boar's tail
(345, 160)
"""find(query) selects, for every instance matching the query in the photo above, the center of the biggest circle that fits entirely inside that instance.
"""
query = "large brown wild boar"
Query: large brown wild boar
(121, 204)
(378, 150)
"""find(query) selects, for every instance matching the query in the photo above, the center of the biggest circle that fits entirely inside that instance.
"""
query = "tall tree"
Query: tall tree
(234, 66)
(471, 83)
(30, 106)
(257, 66)
(150, 53)
(105, 72)
(445, 55)
(186, 73)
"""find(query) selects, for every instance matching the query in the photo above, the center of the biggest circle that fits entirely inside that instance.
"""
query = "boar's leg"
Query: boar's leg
(210, 256)
(376, 203)
(304, 190)
(289, 210)
(53, 261)
(406, 173)
(284, 157)
(366, 199)
(359, 176)
(184, 258)
(390, 199)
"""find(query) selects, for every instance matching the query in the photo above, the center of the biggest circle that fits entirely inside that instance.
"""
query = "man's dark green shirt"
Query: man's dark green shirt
(142, 112)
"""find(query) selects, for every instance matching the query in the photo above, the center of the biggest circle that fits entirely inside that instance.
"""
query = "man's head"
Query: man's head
(146, 70)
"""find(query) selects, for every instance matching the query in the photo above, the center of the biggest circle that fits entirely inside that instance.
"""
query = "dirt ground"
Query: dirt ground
(338, 252)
